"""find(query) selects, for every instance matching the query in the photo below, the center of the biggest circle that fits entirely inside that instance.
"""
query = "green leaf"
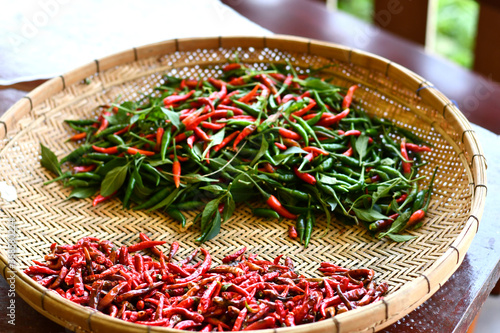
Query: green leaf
(113, 180)
(192, 178)
(229, 208)
(172, 116)
(215, 189)
(49, 160)
(368, 215)
(209, 210)
(264, 145)
(400, 238)
(382, 191)
(361, 145)
(328, 180)
(397, 225)
(169, 199)
(387, 161)
(82, 192)
(214, 228)
(215, 140)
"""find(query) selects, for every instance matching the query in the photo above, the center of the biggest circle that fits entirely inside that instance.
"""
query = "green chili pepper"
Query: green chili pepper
(128, 191)
(189, 205)
(299, 195)
(76, 154)
(111, 130)
(115, 139)
(265, 212)
(308, 130)
(309, 229)
(83, 122)
(81, 183)
(177, 215)
(87, 175)
(165, 142)
(300, 225)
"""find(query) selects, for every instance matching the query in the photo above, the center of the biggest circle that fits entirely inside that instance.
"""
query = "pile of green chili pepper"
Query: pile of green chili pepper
(295, 142)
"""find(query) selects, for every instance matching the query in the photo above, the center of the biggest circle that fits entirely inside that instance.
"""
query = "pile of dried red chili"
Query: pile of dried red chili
(294, 142)
(244, 293)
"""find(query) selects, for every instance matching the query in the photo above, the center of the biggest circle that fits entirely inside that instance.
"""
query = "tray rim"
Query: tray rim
(394, 306)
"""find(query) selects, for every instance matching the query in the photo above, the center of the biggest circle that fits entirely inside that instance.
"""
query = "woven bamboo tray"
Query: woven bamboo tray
(414, 270)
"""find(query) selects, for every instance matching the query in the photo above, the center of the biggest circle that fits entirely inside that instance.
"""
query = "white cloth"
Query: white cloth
(44, 38)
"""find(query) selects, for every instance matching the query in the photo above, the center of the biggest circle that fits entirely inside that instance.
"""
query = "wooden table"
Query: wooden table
(456, 304)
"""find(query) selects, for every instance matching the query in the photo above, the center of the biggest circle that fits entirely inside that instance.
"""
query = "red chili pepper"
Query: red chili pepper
(348, 152)
(291, 143)
(250, 95)
(84, 168)
(133, 151)
(173, 250)
(246, 131)
(352, 132)
(159, 137)
(402, 198)
(97, 200)
(124, 130)
(416, 148)
(227, 99)
(104, 122)
(268, 83)
(154, 249)
(172, 99)
(207, 296)
(239, 320)
(348, 97)
(405, 165)
(236, 111)
(144, 245)
(278, 76)
(180, 158)
(212, 126)
(183, 136)
(176, 170)
(316, 150)
(307, 177)
(292, 232)
(330, 120)
(234, 256)
(237, 81)
(191, 140)
(286, 133)
(416, 217)
(274, 203)
(305, 109)
(109, 150)
(267, 322)
(205, 266)
(201, 134)
(231, 66)
(280, 146)
(78, 136)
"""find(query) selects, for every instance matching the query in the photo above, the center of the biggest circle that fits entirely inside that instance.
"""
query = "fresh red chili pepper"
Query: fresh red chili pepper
(352, 132)
(124, 130)
(316, 150)
(231, 66)
(268, 83)
(174, 247)
(250, 95)
(291, 143)
(416, 217)
(292, 232)
(205, 266)
(133, 151)
(348, 97)
(239, 320)
(201, 134)
(274, 203)
(144, 245)
(183, 136)
(236, 111)
(405, 165)
(286, 133)
(237, 81)
(110, 150)
(280, 146)
(305, 109)
(172, 99)
(307, 177)
(416, 148)
(97, 200)
(85, 168)
(104, 122)
(246, 131)
(348, 152)
(330, 120)
(176, 170)
(78, 136)
(212, 126)
(402, 198)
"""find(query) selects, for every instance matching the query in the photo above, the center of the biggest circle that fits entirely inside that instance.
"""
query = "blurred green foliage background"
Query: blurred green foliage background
(455, 30)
